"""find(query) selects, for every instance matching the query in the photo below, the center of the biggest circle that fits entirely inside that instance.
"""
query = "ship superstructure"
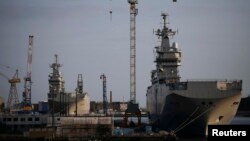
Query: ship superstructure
(187, 107)
(168, 57)
(56, 89)
(66, 103)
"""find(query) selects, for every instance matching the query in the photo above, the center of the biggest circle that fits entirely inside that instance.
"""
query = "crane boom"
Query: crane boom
(29, 61)
(27, 79)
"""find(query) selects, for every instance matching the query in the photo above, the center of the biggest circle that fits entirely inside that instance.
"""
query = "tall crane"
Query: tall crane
(105, 100)
(133, 13)
(133, 107)
(27, 84)
(13, 100)
(13, 96)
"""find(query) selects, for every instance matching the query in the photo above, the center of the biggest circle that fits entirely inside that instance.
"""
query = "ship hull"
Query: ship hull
(191, 116)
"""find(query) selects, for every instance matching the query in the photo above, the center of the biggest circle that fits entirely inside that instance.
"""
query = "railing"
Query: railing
(222, 84)
(177, 86)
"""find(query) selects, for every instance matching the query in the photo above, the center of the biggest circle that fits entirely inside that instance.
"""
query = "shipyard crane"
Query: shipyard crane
(133, 13)
(27, 80)
(133, 107)
(105, 100)
(13, 100)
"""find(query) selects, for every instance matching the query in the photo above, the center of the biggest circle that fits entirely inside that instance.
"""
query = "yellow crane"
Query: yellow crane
(13, 100)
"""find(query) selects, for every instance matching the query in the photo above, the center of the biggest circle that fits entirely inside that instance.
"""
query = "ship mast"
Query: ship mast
(168, 57)
(56, 88)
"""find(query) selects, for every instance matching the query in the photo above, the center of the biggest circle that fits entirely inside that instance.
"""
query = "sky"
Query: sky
(212, 35)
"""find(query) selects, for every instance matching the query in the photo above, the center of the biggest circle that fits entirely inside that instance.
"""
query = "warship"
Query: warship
(186, 107)
(64, 103)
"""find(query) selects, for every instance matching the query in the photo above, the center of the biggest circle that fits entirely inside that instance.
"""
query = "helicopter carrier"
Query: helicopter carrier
(187, 107)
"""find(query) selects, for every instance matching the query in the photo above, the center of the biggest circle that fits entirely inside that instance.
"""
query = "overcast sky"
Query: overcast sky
(213, 36)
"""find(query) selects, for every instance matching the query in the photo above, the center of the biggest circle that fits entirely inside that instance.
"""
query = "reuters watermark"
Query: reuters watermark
(240, 132)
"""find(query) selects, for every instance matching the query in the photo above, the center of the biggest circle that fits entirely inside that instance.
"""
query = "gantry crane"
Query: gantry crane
(27, 84)
(13, 100)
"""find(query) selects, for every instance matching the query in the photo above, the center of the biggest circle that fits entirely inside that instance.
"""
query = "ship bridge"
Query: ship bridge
(168, 57)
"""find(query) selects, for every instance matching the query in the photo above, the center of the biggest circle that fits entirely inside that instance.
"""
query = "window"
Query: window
(236, 103)
(22, 119)
(37, 119)
(15, 119)
(29, 119)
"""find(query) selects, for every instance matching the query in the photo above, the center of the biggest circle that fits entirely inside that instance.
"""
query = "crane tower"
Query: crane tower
(105, 100)
(133, 13)
(13, 100)
(27, 79)
(13, 96)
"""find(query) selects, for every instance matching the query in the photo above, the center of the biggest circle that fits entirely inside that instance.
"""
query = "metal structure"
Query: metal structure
(105, 100)
(13, 96)
(27, 84)
(56, 96)
(133, 13)
(169, 58)
(79, 89)
(79, 84)
(186, 107)
(133, 108)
